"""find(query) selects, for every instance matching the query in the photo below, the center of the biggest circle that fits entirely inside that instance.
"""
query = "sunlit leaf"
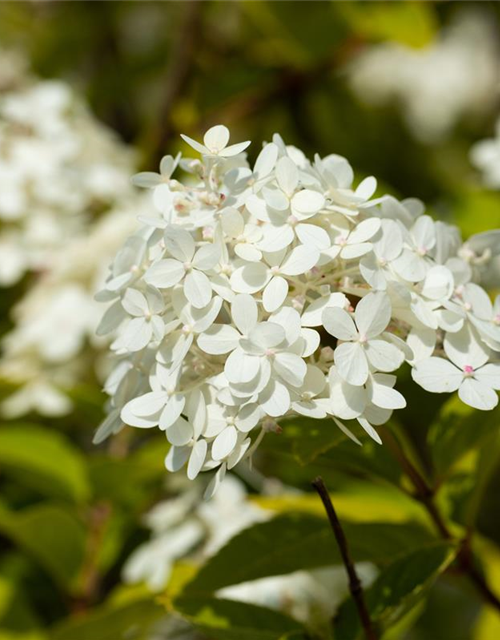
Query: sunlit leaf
(294, 541)
(228, 620)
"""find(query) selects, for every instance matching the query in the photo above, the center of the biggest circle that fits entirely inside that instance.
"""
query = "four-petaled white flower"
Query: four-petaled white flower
(215, 143)
(361, 346)
(188, 265)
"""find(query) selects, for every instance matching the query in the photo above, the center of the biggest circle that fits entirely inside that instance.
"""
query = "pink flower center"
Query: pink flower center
(468, 370)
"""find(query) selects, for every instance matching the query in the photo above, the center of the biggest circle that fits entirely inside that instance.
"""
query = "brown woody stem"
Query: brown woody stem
(355, 586)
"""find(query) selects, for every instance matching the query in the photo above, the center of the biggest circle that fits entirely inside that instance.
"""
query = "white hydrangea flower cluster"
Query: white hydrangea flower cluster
(437, 85)
(58, 168)
(485, 156)
(258, 293)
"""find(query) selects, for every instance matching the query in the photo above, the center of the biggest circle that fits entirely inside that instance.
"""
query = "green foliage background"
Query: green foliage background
(70, 512)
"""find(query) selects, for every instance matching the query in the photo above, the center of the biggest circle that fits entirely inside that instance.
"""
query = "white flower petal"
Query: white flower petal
(219, 339)
(241, 368)
(312, 235)
(307, 202)
(172, 411)
(364, 231)
(234, 149)
(137, 334)
(206, 257)
(197, 459)
(477, 395)
(411, 266)
(176, 458)
(464, 348)
(290, 367)
(489, 375)
(179, 243)
(244, 313)
(383, 355)
(373, 314)
(216, 138)
(215, 482)
(351, 363)
(424, 233)
(195, 145)
(275, 293)
(438, 283)
(339, 324)
(437, 375)
(301, 259)
(287, 175)
(369, 430)
(180, 432)
(250, 278)
(312, 316)
(266, 160)
(275, 238)
(248, 417)
(164, 273)
(238, 453)
(197, 289)
(224, 443)
(149, 404)
(383, 396)
(267, 335)
(352, 251)
(275, 399)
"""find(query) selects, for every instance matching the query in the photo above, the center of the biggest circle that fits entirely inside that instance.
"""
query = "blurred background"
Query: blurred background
(92, 92)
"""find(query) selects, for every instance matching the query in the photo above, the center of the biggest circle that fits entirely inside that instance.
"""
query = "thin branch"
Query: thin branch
(355, 586)
(425, 494)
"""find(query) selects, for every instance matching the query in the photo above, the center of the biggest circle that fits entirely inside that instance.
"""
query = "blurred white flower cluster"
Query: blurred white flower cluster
(435, 86)
(485, 156)
(58, 168)
(66, 205)
(47, 353)
(258, 293)
(188, 527)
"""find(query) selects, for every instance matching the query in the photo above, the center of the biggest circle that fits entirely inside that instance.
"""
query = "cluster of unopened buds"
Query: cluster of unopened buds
(252, 294)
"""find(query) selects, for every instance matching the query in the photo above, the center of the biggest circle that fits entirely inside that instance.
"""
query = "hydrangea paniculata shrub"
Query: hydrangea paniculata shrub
(255, 293)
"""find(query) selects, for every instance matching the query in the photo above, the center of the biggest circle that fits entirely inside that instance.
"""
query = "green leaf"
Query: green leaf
(51, 535)
(294, 541)
(322, 441)
(133, 621)
(227, 620)
(44, 460)
(456, 432)
(308, 438)
(397, 590)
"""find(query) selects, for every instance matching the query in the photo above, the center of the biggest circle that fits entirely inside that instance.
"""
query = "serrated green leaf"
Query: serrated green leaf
(397, 590)
(51, 535)
(294, 541)
(44, 460)
(228, 620)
